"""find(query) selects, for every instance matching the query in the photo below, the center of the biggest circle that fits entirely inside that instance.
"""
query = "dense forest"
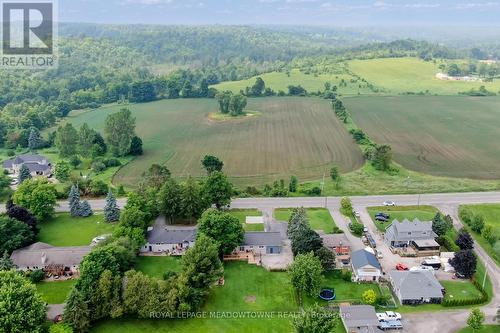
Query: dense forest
(102, 64)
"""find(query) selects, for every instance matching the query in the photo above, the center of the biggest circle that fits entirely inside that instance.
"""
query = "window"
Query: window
(261, 247)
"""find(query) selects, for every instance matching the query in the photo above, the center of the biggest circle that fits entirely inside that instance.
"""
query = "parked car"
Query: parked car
(379, 254)
(401, 267)
(459, 276)
(371, 241)
(389, 203)
(381, 218)
(385, 215)
(14, 181)
(356, 213)
(390, 325)
(434, 262)
(388, 316)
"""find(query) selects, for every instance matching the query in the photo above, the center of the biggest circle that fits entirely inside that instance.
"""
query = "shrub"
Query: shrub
(98, 166)
(112, 162)
(37, 276)
(357, 228)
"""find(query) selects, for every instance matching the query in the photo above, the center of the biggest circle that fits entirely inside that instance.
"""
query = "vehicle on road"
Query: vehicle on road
(390, 325)
(388, 316)
(389, 203)
(401, 267)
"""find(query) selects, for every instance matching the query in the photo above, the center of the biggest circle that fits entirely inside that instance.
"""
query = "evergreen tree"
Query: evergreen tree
(77, 312)
(74, 201)
(111, 211)
(85, 209)
(136, 146)
(6, 263)
(35, 140)
(24, 173)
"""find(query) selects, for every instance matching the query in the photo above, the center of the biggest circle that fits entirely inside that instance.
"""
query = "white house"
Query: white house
(38, 165)
(169, 241)
(365, 266)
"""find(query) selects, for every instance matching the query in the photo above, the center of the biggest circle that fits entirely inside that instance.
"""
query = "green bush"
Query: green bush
(37, 276)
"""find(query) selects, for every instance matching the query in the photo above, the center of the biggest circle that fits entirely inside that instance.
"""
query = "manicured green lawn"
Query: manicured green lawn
(55, 292)
(251, 288)
(485, 329)
(344, 291)
(156, 266)
(319, 219)
(460, 290)
(491, 214)
(241, 214)
(423, 213)
(64, 230)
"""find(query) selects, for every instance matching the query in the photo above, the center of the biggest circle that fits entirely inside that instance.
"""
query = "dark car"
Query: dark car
(381, 218)
(387, 216)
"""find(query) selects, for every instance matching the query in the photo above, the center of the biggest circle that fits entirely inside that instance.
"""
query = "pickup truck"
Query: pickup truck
(390, 325)
(388, 316)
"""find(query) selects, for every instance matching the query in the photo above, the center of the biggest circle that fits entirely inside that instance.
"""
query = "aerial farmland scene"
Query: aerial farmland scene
(281, 166)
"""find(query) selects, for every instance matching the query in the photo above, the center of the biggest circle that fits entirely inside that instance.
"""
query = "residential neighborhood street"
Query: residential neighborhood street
(430, 322)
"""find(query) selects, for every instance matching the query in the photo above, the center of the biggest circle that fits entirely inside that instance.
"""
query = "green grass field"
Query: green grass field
(423, 213)
(402, 75)
(491, 214)
(55, 292)
(312, 83)
(156, 266)
(298, 136)
(319, 219)
(460, 290)
(64, 230)
(443, 136)
(241, 214)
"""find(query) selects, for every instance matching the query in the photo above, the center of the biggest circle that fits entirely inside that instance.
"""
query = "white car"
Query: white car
(389, 203)
(356, 213)
(388, 316)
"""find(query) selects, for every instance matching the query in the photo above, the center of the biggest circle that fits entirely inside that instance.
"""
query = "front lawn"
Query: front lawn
(319, 219)
(55, 292)
(242, 214)
(491, 214)
(423, 213)
(65, 230)
(345, 291)
(485, 329)
(156, 266)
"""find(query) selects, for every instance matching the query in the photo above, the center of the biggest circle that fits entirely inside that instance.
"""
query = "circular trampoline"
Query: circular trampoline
(327, 294)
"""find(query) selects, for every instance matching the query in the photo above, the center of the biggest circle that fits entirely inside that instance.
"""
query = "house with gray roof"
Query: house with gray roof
(415, 234)
(359, 319)
(37, 164)
(47, 257)
(340, 245)
(365, 266)
(416, 287)
(261, 243)
(170, 241)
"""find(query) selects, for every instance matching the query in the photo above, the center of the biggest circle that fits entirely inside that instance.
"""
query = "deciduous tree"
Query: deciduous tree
(218, 189)
(66, 140)
(119, 130)
(465, 263)
(476, 319)
(306, 274)
(315, 319)
(21, 309)
(224, 228)
(38, 196)
(464, 240)
(212, 163)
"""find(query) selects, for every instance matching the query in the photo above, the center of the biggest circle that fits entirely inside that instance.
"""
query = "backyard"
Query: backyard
(55, 292)
(157, 266)
(241, 214)
(65, 230)
(249, 290)
(319, 219)
(423, 213)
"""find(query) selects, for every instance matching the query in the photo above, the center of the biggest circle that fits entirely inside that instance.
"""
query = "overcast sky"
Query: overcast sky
(296, 12)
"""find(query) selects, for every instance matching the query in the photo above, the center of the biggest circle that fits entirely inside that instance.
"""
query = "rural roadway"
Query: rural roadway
(447, 203)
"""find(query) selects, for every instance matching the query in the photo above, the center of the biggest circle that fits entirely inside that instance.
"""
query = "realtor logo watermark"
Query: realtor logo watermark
(29, 34)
